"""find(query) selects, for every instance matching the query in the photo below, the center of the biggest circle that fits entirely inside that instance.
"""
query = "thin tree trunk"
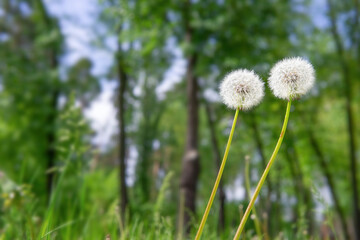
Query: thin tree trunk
(308, 201)
(145, 149)
(191, 166)
(260, 149)
(51, 120)
(217, 158)
(355, 29)
(276, 217)
(51, 153)
(303, 190)
(350, 120)
(330, 181)
(297, 185)
(51, 140)
(148, 133)
(122, 79)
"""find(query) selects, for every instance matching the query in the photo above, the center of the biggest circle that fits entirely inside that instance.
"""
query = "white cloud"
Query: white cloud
(102, 115)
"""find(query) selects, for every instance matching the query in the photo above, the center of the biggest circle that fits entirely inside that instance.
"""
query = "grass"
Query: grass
(88, 210)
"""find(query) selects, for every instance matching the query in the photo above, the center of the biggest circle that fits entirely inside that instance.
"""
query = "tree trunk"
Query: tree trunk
(122, 78)
(308, 201)
(260, 148)
(355, 30)
(217, 158)
(144, 157)
(275, 219)
(51, 141)
(191, 166)
(330, 181)
(297, 185)
(350, 120)
(51, 153)
(151, 114)
(303, 191)
(51, 119)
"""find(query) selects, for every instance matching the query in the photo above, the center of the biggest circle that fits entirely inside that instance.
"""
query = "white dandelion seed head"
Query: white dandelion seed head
(291, 78)
(242, 89)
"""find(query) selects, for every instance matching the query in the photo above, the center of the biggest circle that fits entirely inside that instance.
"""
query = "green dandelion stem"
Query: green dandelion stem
(218, 178)
(263, 177)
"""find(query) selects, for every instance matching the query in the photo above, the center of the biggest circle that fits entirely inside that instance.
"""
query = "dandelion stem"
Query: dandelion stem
(263, 177)
(218, 178)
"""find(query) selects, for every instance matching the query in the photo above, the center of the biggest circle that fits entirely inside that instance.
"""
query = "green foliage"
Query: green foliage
(41, 99)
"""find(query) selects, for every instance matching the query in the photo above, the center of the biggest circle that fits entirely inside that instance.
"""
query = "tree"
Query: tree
(49, 25)
(348, 106)
(217, 158)
(122, 79)
(191, 167)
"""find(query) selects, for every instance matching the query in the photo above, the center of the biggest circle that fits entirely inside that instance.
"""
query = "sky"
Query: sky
(77, 20)
(80, 26)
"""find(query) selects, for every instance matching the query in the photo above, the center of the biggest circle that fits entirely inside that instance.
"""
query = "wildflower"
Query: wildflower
(291, 78)
(242, 89)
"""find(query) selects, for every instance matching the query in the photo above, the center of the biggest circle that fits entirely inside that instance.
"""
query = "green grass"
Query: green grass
(86, 208)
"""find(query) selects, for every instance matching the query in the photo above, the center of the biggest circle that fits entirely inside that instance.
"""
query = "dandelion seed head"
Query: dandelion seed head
(242, 89)
(291, 78)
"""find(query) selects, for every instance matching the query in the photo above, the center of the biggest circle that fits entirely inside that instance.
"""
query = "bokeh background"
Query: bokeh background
(111, 125)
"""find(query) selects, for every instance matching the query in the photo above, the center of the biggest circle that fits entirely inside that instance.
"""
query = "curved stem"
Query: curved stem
(218, 178)
(263, 177)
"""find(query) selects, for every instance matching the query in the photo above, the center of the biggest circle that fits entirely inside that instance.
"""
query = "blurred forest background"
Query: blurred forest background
(111, 122)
